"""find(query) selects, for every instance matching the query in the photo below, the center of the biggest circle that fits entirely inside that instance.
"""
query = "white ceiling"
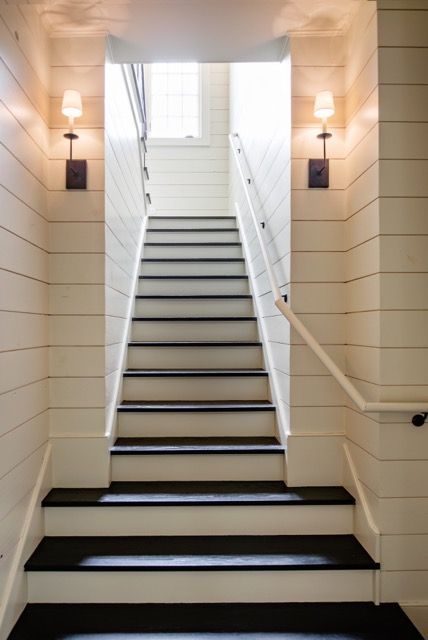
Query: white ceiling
(203, 30)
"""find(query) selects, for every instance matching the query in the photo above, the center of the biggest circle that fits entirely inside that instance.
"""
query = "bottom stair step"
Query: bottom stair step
(300, 621)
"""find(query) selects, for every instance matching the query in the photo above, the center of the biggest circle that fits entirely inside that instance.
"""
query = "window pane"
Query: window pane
(174, 83)
(174, 100)
(190, 84)
(190, 106)
(175, 107)
(159, 84)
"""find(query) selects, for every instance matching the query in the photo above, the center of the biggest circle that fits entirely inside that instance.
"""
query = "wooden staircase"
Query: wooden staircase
(198, 528)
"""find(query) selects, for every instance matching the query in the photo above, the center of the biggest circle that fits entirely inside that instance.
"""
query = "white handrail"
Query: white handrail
(367, 407)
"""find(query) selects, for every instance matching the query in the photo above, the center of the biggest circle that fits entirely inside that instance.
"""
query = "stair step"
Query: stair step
(197, 345)
(196, 373)
(199, 553)
(259, 621)
(150, 494)
(189, 266)
(185, 235)
(198, 508)
(193, 284)
(195, 355)
(199, 406)
(198, 328)
(195, 305)
(185, 446)
(193, 250)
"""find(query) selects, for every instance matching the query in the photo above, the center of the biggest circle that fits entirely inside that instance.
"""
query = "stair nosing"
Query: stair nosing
(135, 406)
(215, 296)
(200, 553)
(190, 277)
(194, 319)
(192, 244)
(213, 260)
(187, 494)
(192, 230)
(193, 344)
(195, 373)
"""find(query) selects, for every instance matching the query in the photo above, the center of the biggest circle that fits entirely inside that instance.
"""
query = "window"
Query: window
(176, 103)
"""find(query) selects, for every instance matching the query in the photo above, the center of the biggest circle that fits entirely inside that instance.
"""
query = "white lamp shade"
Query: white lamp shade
(324, 104)
(72, 103)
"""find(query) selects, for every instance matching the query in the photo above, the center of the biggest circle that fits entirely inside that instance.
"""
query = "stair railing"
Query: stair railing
(420, 406)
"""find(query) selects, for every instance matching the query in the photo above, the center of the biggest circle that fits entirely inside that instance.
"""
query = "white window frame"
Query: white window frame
(204, 111)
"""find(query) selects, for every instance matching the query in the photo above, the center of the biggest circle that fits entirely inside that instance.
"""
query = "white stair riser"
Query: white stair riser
(195, 357)
(196, 467)
(192, 287)
(192, 252)
(193, 236)
(199, 520)
(187, 424)
(188, 307)
(200, 586)
(178, 331)
(221, 388)
(193, 268)
(195, 223)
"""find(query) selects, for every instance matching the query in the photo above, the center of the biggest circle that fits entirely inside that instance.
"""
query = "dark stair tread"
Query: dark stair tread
(195, 319)
(234, 621)
(192, 244)
(192, 445)
(180, 260)
(203, 493)
(195, 373)
(192, 218)
(195, 405)
(216, 296)
(184, 343)
(190, 277)
(199, 553)
(193, 230)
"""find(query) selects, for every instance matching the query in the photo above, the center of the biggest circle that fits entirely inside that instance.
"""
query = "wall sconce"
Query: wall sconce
(318, 169)
(75, 173)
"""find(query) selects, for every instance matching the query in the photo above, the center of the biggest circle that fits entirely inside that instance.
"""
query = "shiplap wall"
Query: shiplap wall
(317, 291)
(24, 398)
(193, 180)
(387, 302)
(77, 270)
(260, 114)
(124, 215)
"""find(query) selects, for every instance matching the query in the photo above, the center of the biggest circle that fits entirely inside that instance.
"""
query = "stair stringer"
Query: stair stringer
(282, 430)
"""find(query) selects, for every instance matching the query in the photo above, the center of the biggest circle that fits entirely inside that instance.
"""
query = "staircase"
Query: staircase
(198, 533)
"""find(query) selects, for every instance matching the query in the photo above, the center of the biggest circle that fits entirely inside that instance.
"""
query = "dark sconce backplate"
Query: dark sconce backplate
(76, 171)
(318, 174)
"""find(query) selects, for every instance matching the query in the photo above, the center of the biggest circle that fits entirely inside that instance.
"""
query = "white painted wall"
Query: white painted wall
(24, 280)
(317, 265)
(124, 216)
(387, 271)
(77, 270)
(193, 179)
(260, 114)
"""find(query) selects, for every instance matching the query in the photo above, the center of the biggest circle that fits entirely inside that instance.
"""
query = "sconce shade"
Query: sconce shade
(324, 104)
(72, 103)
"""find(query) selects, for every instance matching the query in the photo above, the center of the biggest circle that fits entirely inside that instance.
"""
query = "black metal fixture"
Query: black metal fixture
(419, 419)
(76, 170)
(319, 168)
